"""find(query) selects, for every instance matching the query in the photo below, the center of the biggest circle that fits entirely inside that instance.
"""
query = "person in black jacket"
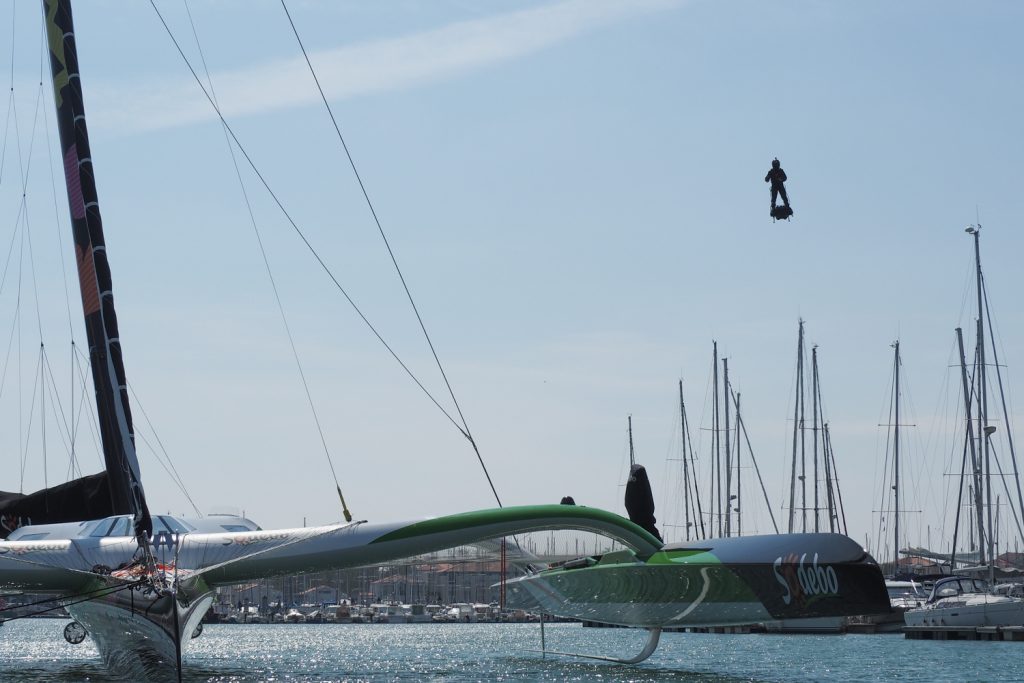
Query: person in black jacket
(776, 176)
(640, 501)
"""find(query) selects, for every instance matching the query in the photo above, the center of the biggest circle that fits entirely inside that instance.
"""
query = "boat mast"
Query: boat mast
(821, 427)
(975, 490)
(803, 436)
(1006, 423)
(692, 464)
(686, 466)
(796, 423)
(632, 457)
(728, 452)
(814, 428)
(835, 492)
(739, 479)
(94, 272)
(716, 477)
(742, 427)
(985, 430)
(896, 463)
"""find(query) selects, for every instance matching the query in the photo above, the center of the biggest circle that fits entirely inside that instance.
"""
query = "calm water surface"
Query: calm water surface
(34, 650)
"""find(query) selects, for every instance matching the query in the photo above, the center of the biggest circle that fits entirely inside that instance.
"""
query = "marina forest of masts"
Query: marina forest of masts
(709, 489)
(714, 497)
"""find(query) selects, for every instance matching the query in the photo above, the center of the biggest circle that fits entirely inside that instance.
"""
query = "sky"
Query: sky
(574, 194)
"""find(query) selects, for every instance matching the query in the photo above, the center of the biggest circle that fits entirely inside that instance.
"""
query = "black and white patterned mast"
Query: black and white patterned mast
(115, 416)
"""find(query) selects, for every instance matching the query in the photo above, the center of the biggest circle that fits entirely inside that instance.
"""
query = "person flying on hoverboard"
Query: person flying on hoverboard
(777, 177)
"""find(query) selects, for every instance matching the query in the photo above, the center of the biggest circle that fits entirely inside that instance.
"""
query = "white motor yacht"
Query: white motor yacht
(904, 595)
(962, 601)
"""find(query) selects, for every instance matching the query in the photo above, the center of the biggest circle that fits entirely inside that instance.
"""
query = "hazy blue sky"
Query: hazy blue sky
(575, 193)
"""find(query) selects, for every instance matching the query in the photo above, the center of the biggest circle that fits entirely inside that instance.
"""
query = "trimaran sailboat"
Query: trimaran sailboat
(138, 584)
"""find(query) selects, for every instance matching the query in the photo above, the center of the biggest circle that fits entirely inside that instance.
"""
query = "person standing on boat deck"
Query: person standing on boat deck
(776, 176)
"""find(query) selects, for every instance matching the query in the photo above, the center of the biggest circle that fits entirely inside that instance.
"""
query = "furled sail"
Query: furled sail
(122, 466)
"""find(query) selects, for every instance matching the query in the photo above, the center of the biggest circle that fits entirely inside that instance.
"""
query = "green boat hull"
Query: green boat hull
(722, 582)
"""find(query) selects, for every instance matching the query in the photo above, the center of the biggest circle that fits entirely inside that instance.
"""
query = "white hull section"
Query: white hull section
(979, 610)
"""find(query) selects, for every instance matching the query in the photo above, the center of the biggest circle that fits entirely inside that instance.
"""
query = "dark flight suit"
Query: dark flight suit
(776, 176)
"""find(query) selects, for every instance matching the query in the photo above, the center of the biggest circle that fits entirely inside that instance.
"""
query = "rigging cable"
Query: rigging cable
(61, 233)
(696, 489)
(12, 117)
(35, 286)
(270, 276)
(169, 466)
(394, 260)
(10, 98)
(835, 475)
(58, 408)
(757, 470)
(298, 231)
(1002, 398)
(23, 221)
(291, 221)
(85, 403)
(75, 599)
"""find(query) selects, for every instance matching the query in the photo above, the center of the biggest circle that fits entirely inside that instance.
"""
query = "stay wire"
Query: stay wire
(28, 428)
(57, 220)
(57, 406)
(391, 253)
(10, 98)
(465, 425)
(169, 465)
(87, 403)
(24, 198)
(1002, 398)
(7, 127)
(753, 459)
(14, 16)
(298, 231)
(270, 276)
(75, 599)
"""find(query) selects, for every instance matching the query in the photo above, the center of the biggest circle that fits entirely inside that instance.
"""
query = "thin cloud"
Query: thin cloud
(386, 65)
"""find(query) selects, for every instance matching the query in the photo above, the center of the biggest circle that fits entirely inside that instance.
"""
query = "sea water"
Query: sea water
(34, 650)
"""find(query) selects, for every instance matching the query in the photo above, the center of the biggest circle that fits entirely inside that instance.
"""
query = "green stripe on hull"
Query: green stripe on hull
(698, 557)
(534, 518)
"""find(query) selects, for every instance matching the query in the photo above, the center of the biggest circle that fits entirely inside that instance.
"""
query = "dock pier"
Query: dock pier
(1001, 633)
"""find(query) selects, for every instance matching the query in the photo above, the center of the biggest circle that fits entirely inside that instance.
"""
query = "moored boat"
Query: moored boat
(966, 602)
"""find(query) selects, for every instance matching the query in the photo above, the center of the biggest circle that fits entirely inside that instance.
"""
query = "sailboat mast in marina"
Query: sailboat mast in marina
(984, 461)
(798, 430)
(693, 511)
(896, 485)
(823, 465)
(982, 403)
(980, 457)
(974, 489)
(896, 461)
(728, 451)
(716, 451)
(965, 599)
